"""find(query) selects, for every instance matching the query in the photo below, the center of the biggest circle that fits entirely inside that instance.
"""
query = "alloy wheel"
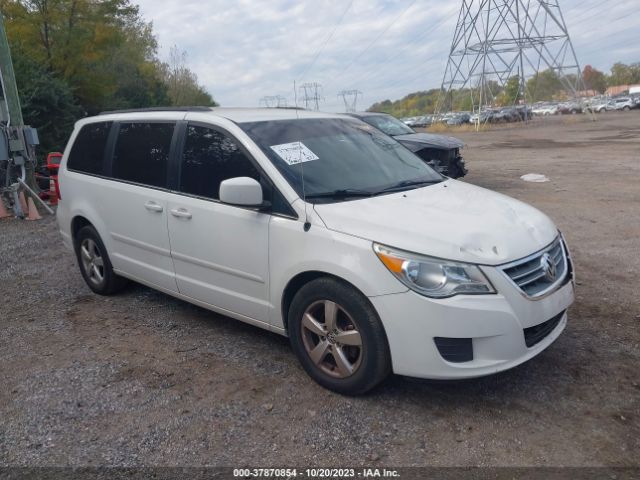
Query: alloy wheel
(92, 261)
(331, 339)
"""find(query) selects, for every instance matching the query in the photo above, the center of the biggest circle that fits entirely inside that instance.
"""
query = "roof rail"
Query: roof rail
(159, 109)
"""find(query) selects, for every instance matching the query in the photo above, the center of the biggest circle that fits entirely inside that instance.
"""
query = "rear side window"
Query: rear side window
(87, 152)
(142, 151)
(209, 158)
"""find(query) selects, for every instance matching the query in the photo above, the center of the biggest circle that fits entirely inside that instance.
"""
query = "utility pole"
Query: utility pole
(496, 40)
(312, 95)
(350, 99)
(8, 78)
(17, 141)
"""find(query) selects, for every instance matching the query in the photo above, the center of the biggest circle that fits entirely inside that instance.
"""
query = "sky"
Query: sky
(243, 50)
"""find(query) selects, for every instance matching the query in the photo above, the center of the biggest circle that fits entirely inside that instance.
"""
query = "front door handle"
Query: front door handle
(153, 207)
(181, 213)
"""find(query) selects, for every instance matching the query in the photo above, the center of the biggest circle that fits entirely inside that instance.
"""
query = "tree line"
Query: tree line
(74, 58)
(543, 86)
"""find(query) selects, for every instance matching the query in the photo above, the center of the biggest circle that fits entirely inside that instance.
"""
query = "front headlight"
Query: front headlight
(433, 277)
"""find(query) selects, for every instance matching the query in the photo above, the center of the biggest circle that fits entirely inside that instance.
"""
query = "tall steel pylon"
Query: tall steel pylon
(273, 101)
(350, 99)
(496, 40)
(312, 95)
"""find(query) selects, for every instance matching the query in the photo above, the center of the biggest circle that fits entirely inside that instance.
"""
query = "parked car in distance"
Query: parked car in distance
(621, 103)
(459, 118)
(440, 152)
(508, 114)
(486, 116)
(598, 105)
(571, 108)
(319, 227)
(546, 109)
(423, 121)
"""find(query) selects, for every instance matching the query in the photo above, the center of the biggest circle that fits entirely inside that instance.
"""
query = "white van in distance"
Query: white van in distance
(319, 227)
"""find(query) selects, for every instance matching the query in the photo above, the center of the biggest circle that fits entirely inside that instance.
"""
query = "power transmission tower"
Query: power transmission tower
(273, 101)
(312, 95)
(500, 40)
(350, 99)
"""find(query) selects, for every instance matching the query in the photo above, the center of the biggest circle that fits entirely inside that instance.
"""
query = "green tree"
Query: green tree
(622, 74)
(183, 88)
(544, 85)
(414, 104)
(79, 57)
(511, 94)
(47, 102)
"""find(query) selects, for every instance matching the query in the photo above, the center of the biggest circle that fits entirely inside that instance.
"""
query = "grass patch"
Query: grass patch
(467, 127)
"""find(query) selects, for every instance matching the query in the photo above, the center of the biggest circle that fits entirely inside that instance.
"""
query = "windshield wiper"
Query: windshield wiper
(406, 185)
(342, 193)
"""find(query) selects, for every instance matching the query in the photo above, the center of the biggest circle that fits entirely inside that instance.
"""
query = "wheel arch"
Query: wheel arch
(299, 281)
(77, 223)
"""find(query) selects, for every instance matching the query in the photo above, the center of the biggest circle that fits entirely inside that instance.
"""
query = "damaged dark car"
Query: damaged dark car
(440, 152)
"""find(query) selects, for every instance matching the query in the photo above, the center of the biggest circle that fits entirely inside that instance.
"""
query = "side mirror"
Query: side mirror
(242, 191)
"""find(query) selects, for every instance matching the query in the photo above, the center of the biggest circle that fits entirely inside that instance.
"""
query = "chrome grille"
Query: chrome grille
(529, 273)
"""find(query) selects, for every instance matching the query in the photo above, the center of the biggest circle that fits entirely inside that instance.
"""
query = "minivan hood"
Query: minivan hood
(451, 220)
(420, 140)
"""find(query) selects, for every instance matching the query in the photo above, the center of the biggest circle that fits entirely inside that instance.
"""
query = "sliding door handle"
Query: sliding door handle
(181, 213)
(153, 207)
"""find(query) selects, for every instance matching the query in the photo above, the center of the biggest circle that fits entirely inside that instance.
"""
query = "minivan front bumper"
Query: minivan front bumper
(421, 331)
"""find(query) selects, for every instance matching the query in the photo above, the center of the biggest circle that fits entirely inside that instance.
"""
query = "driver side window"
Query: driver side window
(208, 158)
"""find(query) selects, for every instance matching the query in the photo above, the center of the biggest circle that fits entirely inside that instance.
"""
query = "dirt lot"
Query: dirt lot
(144, 379)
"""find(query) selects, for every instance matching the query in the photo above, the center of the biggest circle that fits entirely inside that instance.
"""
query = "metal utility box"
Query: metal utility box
(4, 111)
(16, 145)
(4, 149)
(31, 136)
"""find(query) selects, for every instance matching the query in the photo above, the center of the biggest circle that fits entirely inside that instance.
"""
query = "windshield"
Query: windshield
(388, 124)
(338, 157)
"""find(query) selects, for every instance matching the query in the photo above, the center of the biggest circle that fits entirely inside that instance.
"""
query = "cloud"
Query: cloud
(247, 49)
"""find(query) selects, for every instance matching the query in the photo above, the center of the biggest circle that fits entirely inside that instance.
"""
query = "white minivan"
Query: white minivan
(319, 227)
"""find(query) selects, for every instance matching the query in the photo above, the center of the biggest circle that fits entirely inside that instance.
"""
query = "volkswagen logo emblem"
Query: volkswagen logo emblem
(548, 267)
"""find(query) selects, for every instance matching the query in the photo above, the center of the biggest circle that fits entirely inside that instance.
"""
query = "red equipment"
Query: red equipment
(53, 164)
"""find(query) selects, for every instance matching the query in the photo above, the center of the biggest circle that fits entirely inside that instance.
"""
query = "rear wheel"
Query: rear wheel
(94, 263)
(338, 337)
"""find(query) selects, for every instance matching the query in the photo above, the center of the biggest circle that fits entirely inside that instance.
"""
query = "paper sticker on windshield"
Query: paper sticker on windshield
(294, 153)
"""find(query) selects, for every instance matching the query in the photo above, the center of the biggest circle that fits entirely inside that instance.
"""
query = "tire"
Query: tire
(348, 363)
(626, 109)
(94, 263)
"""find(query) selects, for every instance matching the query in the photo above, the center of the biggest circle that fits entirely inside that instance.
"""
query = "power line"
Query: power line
(375, 40)
(581, 16)
(378, 66)
(320, 50)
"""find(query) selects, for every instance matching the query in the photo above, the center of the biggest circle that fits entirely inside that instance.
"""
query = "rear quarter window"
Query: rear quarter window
(87, 152)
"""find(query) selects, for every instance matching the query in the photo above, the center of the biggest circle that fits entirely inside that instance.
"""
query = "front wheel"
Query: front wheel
(94, 263)
(338, 338)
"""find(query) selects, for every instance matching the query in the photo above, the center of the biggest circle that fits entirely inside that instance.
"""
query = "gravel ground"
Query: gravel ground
(143, 379)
